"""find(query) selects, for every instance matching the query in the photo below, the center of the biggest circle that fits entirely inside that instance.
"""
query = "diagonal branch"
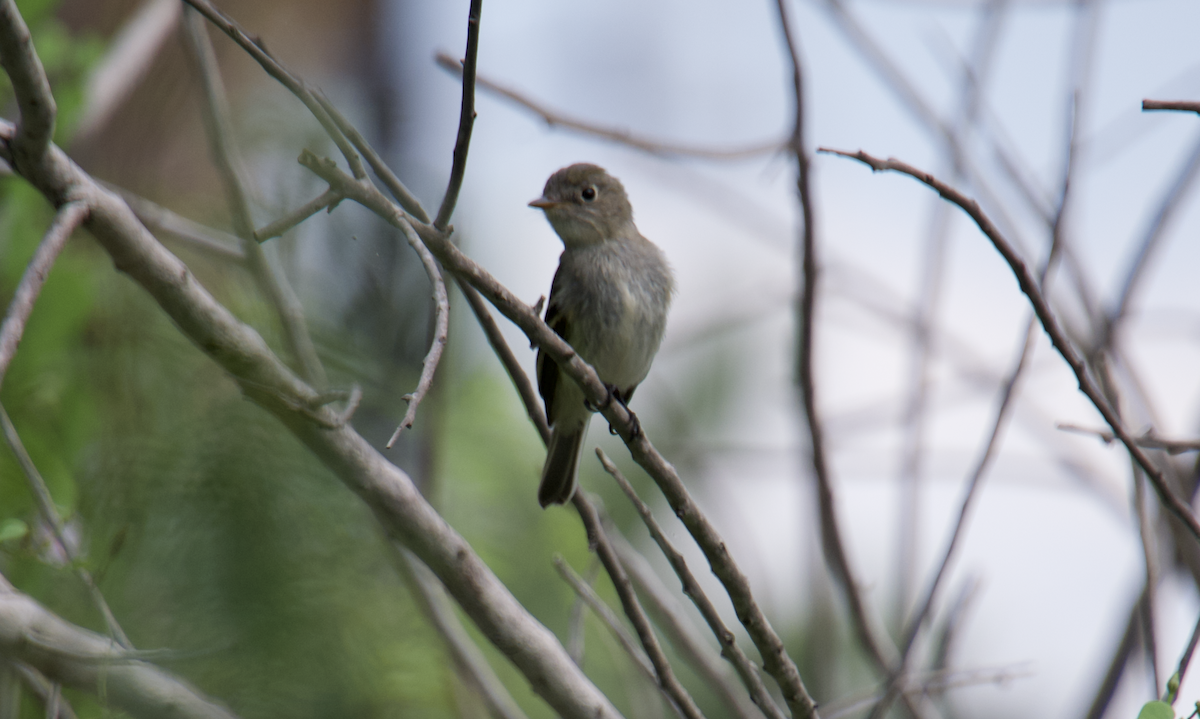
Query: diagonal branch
(554, 118)
(68, 218)
(76, 658)
(663, 673)
(1049, 321)
(441, 331)
(220, 135)
(729, 647)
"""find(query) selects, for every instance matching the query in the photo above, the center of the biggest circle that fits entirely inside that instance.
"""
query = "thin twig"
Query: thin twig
(254, 47)
(598, 542)
(45, 503)
(68, 218)
(466, 120)
(585, 593)
(831, 534)
(1180, 105)
(729, 647)
(529, 397)
(1048, 319)
(35, 102)
(221, 144)
(1148, 440)
(44, 690)
(441, 331)
(431, 597)
(327, 200)
(393, 184)
(1151, 239)
(195, 235)
(553, 118)
(1116, 666)
(1184, 660)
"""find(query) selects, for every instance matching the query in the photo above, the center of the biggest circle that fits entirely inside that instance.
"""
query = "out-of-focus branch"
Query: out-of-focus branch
(1149, 440)
(553, 118)
(466, 120)
(49, 693)
(193, 234)
(665, 675)
(831, 535)
(45, 503)
(441, 332)
(431, 597)
(529, 397)
(68, 218)
(1049, 322)
(325, 201)
(220, 136)
(254, 48)
(77, 658)
(1172, 690)
(1179, 105)
(729, 647)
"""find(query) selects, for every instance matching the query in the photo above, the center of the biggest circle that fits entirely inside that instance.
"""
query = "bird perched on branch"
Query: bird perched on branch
(609, 301)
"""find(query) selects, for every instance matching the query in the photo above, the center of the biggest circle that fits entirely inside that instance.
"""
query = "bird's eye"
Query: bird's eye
(588, 194)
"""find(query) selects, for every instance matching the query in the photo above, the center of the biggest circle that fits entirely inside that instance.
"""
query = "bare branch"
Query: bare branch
(295, 85)
(193, 234)
(50, 694)
(45, 503)
(35, 126)
(607, 617)
(466, 120)
(729, 647)
(220, 135)
(441, 331)
(1149, 440)
(77, 658)
(554, 118)
(529, 397)
(68, 218)
(397, 189)
(1048, 319)
(598, 541)
(1180, 105)
(1185, 659)
(831, 534)
(327, 200)
(431, 597)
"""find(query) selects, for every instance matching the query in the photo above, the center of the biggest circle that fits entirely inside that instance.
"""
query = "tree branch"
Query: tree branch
(68, 218)
(1049, 321)
(466, 120)
(1179, 105)
(77, 658)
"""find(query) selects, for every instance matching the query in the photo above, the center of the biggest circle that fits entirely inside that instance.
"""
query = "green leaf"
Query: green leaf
(12, 529)
(1156, 710)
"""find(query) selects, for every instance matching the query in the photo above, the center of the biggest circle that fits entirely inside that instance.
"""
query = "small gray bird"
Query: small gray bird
(609, 301)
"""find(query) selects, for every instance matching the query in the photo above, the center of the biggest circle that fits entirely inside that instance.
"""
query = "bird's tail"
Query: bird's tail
(562, 465)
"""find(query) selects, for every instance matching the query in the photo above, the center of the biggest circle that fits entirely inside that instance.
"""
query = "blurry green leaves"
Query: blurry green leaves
(11, 529)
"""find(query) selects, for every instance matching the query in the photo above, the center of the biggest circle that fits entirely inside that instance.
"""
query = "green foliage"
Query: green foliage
(1156, 710)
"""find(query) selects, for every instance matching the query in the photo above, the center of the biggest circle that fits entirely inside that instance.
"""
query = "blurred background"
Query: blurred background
(214, 534)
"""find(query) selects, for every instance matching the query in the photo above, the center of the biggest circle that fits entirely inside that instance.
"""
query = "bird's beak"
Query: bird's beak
(543, 204)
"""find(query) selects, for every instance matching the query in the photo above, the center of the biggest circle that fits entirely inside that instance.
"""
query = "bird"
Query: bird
(609, 301)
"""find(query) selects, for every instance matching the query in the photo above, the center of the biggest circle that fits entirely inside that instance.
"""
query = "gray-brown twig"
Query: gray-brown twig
(553, 118)
(729, 647)
(1048, 320)
(1178, 105)
(68, 218)
(663, 673)
(466, 120)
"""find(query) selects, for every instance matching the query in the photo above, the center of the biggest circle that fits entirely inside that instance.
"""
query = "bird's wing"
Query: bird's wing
(547, 370)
